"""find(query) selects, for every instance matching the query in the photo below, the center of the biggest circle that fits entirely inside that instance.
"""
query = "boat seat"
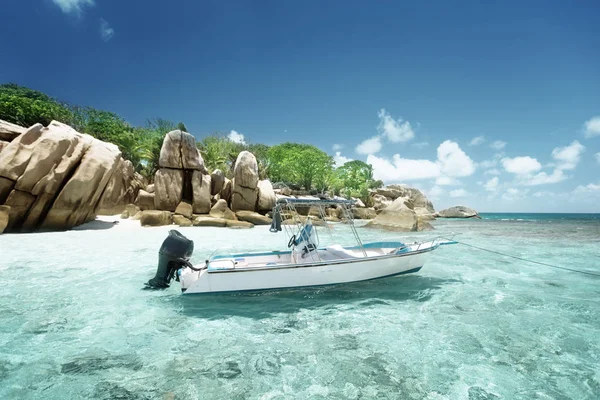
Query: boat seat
(339, 252)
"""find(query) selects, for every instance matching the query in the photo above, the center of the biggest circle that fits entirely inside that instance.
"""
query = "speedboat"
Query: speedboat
(304, 264)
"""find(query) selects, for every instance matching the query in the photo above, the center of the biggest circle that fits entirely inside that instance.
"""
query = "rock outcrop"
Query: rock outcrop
(364, 213)
(253, 217)
(9, 132)
(122, 189)
(399, 216)
(266, 196)
(217, 181)
(155, 218)
(221, 210)
(383, 197)
(4, 215)
(53, 177)
(144, 200)
(245, 183)
(182, 175)
(458, 212)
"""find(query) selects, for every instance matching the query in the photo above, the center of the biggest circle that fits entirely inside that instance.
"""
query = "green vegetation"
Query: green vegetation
(295, 164)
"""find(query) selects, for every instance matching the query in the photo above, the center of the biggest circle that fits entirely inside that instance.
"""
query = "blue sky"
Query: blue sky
(495, 106)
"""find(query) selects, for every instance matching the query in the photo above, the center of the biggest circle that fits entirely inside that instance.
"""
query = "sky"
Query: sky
(492, 105)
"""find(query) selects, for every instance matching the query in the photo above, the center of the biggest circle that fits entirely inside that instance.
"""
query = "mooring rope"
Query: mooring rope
(527, 260)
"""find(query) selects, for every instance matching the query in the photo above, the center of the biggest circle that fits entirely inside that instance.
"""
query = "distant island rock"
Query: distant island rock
(458, 212)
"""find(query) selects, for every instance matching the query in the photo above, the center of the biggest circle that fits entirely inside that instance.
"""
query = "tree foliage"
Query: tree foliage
(219, 152)
(26, 107)
(302, 164)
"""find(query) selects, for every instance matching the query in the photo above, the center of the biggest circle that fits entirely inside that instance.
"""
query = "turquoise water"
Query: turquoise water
(74, 322)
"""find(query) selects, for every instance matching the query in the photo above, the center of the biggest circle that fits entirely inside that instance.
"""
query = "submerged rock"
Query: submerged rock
(210, 221)
(239, 224)
(458, 212)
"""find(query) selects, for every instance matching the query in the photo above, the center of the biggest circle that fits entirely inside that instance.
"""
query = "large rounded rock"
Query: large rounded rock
(226, 191)
(168, 185)
(210, 221)
(201, 187)
(184, 209)
(9, 132)
(217, 180)
(245, 192)
(4, 217)
(398, 216)
(458, 212)
(150, 188)
(364, 213)
(380, 202)
(122, 188)
(3, 144)
(253, 217)
(181, 220)
(266, 196)
(179, 151)
(155, 218)
(144, 200)
(221, 210)
(422, 205)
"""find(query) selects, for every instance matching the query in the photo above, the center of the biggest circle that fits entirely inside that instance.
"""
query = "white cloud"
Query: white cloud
(568, 156)
(498, 145)
(236, 137)
(106, 31)
(591, 128)
(589, 188)
(492, 171)
(543, 178)
(337, 147)
(491, 185)
(402, 169)
(598, 157)
(339, 159)
(73, 6)
(477, 141)
(459, 193)
(521, 165)
(395, 130)
(369, 146)
(453, 161)
(420, 145)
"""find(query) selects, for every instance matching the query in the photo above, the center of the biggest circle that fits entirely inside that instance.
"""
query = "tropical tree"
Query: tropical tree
(300, 164)
(26, 107)
(181, 126)
(219, 152)
(355, 179)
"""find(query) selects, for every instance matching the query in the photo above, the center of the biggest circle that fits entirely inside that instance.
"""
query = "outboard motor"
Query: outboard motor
(174, 254)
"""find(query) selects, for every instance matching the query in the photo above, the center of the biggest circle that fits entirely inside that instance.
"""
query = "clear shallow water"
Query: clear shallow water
(471, 325)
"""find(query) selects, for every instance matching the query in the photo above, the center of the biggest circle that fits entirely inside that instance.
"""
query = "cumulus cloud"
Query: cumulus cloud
(568, 157)
(477, 141)
(446, 181)
(106, 31)
(337, 147)
(521, 165)
(369, 146)
(236, 137)
(458, 193)
(589, 188)
(339, 159)
(435, 192)
(402, 169)
(451, 163)
(73, 6)
(543, 178)
(395, 131)
(591, 128)
(491, 185)
(498, 145)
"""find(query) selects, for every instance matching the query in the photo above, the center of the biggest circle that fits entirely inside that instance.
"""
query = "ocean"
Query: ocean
(75, 322)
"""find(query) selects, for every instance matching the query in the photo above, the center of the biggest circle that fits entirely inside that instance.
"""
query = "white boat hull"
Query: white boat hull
(308, 274)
